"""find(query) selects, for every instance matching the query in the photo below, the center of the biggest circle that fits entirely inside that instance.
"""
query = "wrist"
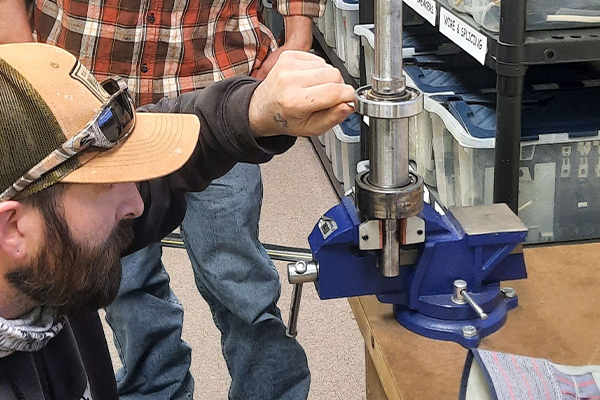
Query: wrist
(298, 32)
(256, 115)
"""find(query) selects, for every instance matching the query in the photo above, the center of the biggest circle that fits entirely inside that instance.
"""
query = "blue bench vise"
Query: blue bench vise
(451, 265)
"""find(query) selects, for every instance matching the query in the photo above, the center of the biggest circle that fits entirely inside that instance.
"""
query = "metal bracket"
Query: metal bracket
(413, 230)
(369, 235)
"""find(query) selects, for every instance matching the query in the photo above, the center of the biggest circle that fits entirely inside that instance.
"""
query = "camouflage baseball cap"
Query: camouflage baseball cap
(48, 97)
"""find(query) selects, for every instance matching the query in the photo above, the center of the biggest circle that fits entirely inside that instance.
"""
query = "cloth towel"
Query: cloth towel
(490, 375)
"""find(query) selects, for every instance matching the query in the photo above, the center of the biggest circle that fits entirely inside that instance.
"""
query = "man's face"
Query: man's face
(78, 268)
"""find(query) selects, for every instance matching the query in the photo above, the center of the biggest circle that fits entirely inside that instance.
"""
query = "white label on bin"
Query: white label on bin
(425, 8)
(466, 37)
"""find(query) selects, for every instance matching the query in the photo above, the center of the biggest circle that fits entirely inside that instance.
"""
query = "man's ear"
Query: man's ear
(13, 230)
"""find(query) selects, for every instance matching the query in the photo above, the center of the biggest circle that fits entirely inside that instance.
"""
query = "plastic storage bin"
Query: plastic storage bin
(329, 24)
(559, 181)
(367, 41)
(417, 40)
(541, 14)
(347, 42)
(273, 19)
(329, 143)
(321, 24)
(546, 14)
(336, 153)
(346, 150)
(321, 139)
(485, 12)
(457, 5)
(436, 76)
(459, 73)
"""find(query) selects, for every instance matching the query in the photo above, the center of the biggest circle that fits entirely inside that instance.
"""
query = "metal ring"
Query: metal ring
(389, 109)
(389, 203)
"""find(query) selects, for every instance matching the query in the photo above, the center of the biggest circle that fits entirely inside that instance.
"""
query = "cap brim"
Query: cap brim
(159, 145)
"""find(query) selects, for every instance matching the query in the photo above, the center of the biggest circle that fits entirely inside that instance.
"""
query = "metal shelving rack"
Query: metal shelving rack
(509, 53)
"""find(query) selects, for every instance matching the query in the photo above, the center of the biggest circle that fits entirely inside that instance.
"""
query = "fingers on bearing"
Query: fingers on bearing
(321, 121)
(327, 95)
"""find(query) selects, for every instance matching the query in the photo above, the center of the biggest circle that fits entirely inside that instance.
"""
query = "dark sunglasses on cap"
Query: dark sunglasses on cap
(109, 127)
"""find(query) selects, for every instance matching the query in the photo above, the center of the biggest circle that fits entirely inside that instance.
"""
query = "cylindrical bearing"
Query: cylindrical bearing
(389, 203)
(405, 106)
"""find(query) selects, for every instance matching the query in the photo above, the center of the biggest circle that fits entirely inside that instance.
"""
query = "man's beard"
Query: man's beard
(70, 277)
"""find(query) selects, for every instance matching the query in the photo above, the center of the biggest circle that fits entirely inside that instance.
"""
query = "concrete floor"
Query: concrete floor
(296, 193)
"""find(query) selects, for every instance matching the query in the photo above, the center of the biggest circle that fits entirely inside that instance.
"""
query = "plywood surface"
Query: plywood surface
(558, 318)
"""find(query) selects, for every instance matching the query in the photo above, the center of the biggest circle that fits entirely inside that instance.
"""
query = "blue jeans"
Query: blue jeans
(239, 282)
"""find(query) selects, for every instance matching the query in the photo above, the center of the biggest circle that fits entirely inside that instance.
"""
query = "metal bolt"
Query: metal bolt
(469, 331)
(459, 286)
(509, 292)
(300, 267)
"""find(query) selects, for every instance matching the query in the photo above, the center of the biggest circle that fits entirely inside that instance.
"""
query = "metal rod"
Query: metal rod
(387, 75)
(388, 138)
(473, 304)
(292, 329)
(389, 153)
(513, 17)
(275, 252)
(389, 259)
(508, 141)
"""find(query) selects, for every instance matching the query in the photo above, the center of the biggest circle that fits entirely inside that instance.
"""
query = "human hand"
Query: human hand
(268, 63)
(301, 96)
(298, 36)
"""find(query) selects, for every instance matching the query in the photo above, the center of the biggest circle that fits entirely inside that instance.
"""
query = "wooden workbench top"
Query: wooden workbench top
(558, 318)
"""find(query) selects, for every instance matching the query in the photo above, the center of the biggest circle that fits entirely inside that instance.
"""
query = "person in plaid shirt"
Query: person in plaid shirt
(164, 48)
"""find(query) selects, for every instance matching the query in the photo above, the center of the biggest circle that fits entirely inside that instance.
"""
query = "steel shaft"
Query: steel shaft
(389, 153)
(478, 310)
(389, 260)
(387, 75)
(389, 137)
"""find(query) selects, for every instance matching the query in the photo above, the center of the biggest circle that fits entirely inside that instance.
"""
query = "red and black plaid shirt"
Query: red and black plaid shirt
(164, 47)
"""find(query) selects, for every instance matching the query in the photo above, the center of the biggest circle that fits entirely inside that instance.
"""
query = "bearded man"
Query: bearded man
(78, 165)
